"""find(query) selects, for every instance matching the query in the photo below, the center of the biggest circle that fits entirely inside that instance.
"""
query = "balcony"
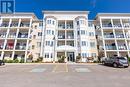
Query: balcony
(20, 46)
(14, 25)
(110, 47)
(1, 46)
(22, 35)
(69, 24)
(108, 36)
(126, 23)
(122, 47)
(61, 24)
(117, 26)
(117, 23)
(119, 36)
(12, 35)
(4, 24)
(24, 24)
(60, 43)
(70, 43)
(70, 35)
(3, 35)
(10, 46)
(61, 36)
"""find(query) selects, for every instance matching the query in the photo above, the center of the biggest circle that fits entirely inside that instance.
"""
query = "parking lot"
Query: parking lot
(63, 75)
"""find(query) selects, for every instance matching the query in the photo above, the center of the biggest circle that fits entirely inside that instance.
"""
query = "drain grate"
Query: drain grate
(38, 70)
(82, 70)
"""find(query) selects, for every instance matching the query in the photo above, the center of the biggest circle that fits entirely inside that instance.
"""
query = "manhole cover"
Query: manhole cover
(38, 70)
(82, 70)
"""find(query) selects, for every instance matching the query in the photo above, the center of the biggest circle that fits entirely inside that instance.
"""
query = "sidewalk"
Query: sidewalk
(52, 63)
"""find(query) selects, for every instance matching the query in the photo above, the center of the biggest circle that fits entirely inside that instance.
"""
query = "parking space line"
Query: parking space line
(67, 70)
(54, 69)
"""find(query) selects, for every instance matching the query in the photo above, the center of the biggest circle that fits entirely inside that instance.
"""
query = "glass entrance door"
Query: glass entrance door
(70, 56)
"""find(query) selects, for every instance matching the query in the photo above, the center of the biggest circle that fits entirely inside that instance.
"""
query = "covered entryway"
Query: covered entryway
(70, 56)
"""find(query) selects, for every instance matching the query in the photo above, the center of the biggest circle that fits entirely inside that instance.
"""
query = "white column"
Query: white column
(125, 38)
(16, 39)
(2, 54)
(105, 54)
(42, 40)
(115, 37)
(27, 44)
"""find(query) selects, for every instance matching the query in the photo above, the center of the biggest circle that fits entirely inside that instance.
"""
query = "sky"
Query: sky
(94, 6)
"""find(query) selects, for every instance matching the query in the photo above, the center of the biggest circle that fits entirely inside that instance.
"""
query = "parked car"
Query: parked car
(116, 61)
(2, 62)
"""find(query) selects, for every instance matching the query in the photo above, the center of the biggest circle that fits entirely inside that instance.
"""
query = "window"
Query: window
(83, 32)
(46, 55)
(91, 33)
(51, 43)
(33, 46)
(47, 43)
(82, 22)
(39, 33)
(35, 26)
(92, 44)
(78, 32)
(53, 22)
(84, 55)
(34, 36)
(52, 32)
(48, 21)
(77, 22)
(48, 31)
(51, 55)
(83, 43)
(93, 54)
(38, 44)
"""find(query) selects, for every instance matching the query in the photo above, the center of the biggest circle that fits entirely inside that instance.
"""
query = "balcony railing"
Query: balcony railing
(119, 36)
(21, 47)
(12, 35)
(110, 47)
(117, 25)
(121, 47)
(8, 47)
(107, 25)
(68, 26)
(4, 25)
(70, 37)
(1, 46)
(14, 25)
(109, 36)
(3, 35)
(61, 37)
(24, 25)
(21, 35)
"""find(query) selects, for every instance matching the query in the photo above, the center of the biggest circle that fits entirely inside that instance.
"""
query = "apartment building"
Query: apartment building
(15, 35)
(113, 30)
(69, 34)
(64, 33)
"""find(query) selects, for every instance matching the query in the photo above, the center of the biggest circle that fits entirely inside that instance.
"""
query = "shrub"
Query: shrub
(16, 61)
(8, 61)
(78, 58)
(11, 61)
(61, 59)
(22, 60)
(129, 59)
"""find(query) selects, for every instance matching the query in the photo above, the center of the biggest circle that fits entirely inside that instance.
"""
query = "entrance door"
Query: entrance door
(70, 56)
